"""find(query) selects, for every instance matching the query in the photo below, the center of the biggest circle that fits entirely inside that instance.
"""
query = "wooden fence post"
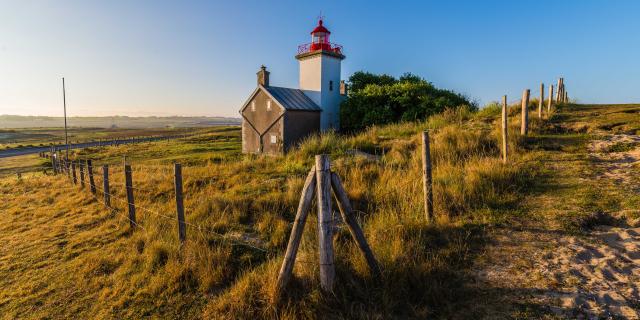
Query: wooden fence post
(550, 100)
(566, 97)
(541, 101)
(559, 87)
(81, 165)
(92, 183)
(325, 222)
(505, 130)
(182, 227)
(130, 200)
(356, 232)
(105, 185)
(306, 197)
(73, 172)
(524, 126)
(427, 182)
(54, 165)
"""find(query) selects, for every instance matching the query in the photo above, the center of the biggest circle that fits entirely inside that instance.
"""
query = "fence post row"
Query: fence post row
(427, 180)
(505, 130)
(92, 183)
(105, 186)
(524, 127)
(130, 200)
(182, 227)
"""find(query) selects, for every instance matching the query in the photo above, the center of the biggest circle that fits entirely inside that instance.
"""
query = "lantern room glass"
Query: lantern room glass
(320, 37)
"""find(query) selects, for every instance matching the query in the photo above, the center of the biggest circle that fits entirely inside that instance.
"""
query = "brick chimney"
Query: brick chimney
(263, 76)
(343, 88)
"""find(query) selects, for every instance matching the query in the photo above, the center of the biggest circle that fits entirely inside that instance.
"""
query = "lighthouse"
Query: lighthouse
(320, 80)
(276, 119)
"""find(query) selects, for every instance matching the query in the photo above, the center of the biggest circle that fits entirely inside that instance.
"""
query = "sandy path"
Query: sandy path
(605, 266)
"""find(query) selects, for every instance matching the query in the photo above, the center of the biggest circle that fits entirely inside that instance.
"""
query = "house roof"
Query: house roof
(292, 99)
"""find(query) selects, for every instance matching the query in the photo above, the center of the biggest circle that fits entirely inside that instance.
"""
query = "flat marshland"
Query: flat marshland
(65, 255)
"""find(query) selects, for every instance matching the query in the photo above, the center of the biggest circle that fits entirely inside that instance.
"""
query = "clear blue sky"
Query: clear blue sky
(200, 57)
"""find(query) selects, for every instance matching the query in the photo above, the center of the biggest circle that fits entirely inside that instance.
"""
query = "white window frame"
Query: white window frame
(253, 106)
(274, 139)
(268, 105)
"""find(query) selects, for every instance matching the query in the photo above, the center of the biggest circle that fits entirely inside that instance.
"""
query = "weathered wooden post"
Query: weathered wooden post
(505, 130)
(73, 172)
(182, 227)
(344, 205)
(130, 200)
(325, 222)
(558, 98)
(54, 164)
(427, 183)
(306, 197)
(541, 101)
(566, 97)
(81, 165)
(524, 126)
(105, 185)
(550, 102)
(92, 183)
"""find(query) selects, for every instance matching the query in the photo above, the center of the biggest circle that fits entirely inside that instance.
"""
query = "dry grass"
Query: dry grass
(66, 256)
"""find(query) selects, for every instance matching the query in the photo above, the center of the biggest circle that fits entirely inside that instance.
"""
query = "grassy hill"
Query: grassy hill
(65, 255)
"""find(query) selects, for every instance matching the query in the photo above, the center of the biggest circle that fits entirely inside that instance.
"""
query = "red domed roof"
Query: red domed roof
(320, 28)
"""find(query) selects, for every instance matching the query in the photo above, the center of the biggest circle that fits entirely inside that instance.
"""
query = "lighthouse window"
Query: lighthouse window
(253, 106)
(268, 105)
(330, 85)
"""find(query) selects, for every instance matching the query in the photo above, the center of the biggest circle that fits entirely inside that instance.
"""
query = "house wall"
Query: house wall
(260, 120)
(317, 72)
(298, 125)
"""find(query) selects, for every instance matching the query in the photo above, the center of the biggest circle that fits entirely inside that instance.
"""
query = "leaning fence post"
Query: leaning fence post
(81, 165)
(325, 222)
(92, 184)
(73, 172)
(505, 130)
(356, 232)
(306, 197)
(426, 176)
(541, 101)
(182, 227)
(524, 126)
(130, 200)
(105, 185)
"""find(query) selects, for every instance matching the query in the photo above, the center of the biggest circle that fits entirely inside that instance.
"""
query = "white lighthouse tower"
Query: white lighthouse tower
(320, 75)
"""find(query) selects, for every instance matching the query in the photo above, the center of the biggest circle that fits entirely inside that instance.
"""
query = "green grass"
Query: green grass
(61, 245)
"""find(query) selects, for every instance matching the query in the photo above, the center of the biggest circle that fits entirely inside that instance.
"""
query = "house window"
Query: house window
(330, 85)
(253, 106)
(268, 105)
(274, 139)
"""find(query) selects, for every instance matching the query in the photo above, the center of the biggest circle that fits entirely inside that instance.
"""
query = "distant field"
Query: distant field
(11, 121)
(204, 144)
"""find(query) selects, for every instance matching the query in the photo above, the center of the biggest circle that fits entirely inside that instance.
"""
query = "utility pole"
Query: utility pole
(64, 103)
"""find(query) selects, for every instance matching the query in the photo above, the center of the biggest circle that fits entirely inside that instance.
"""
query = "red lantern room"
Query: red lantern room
(320, 41)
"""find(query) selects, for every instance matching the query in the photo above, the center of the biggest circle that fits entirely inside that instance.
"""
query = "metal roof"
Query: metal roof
(292, 99)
